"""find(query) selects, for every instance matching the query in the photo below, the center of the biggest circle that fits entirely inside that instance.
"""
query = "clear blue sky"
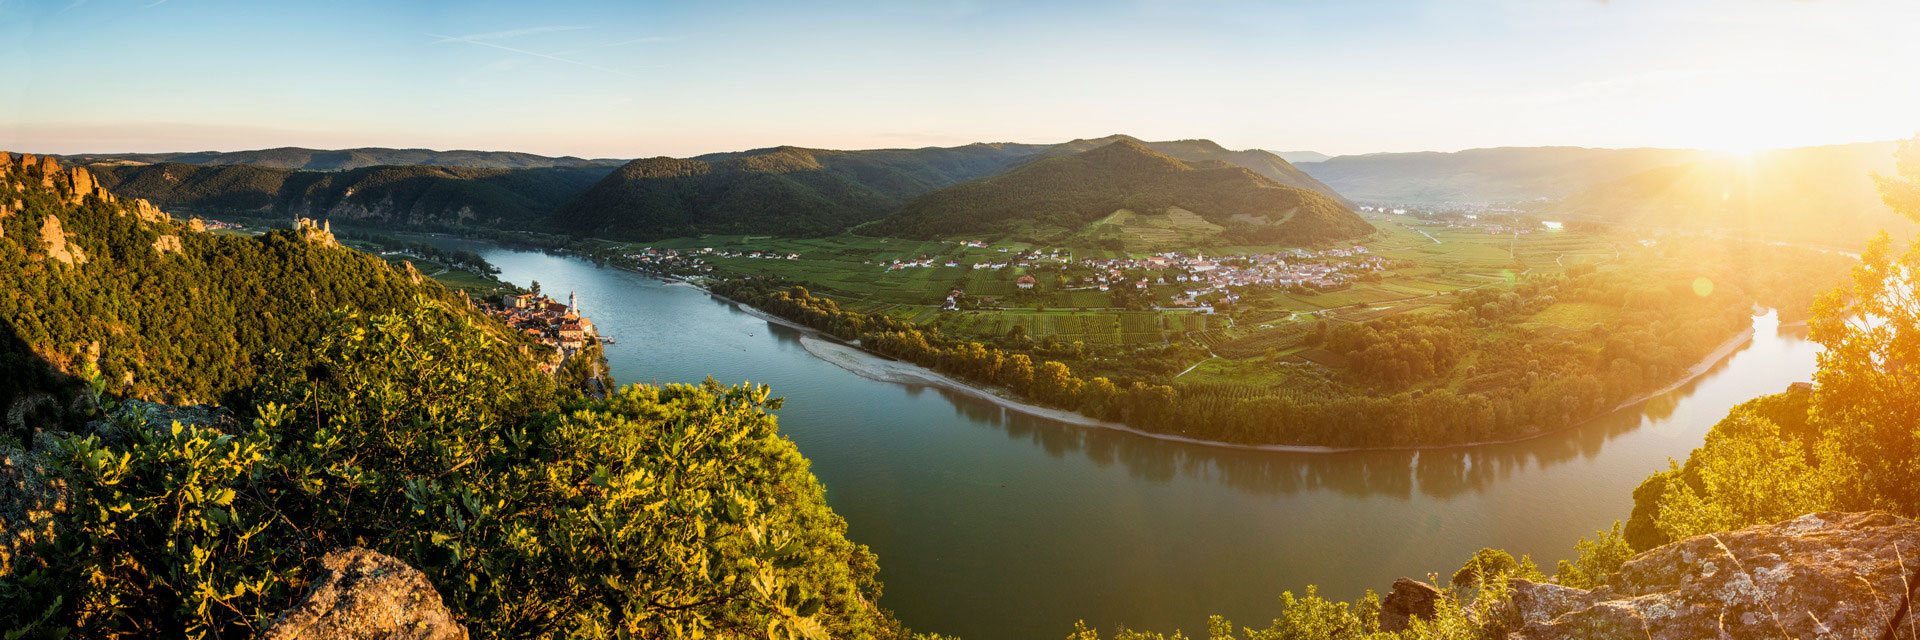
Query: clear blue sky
(624, 79)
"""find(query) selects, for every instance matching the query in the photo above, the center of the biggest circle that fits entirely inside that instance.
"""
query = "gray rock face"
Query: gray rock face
(1410, 599)
(1822, 575)
(365, 595)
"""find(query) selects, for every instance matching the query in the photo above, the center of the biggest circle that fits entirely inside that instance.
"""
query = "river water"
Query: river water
(993, 524)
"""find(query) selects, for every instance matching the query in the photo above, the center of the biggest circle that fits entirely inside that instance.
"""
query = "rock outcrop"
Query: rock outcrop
(58, 248)
(1410, 599)
(363, 594)
(1822, 575)
(167, 244)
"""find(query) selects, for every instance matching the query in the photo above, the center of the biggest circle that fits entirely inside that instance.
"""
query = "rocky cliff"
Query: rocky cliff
(74, 185)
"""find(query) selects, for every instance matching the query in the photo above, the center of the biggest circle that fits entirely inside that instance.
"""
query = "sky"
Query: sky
(637, 79)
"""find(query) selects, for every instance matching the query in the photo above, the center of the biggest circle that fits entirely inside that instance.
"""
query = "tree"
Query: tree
(1595, 561)
(1745, 474)
(1865, 401)
(533, 287)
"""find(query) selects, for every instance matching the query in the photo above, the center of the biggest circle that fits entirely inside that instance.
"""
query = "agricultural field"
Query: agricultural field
(1430, 260)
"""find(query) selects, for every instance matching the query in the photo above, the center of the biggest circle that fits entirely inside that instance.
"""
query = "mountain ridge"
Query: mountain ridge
(305, 159)
(1070, 191)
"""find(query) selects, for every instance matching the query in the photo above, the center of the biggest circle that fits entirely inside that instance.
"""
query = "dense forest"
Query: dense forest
(371, 408)
(159, 310)
(395, 195)
(671, 511)
(1068, 192)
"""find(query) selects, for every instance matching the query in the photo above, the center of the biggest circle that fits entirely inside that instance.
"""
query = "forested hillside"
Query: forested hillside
(1068, 192)
(782, 191)
(345, 159)
(1264, 163)
(93, 281)
(420, 196)
(365, 407)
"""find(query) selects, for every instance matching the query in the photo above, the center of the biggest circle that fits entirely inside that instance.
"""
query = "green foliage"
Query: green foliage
(673, 511)
(1596, 561)
(1312, 617)
(1852, 445)
(1746, 474)
(185, 327)
(1490, 566)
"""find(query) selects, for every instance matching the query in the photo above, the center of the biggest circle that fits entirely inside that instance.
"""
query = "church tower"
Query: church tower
(573, 302)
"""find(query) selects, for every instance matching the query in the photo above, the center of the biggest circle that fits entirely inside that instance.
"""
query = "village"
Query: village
(544, 320)
(1198, 281)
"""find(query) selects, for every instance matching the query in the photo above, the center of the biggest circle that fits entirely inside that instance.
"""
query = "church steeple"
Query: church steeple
(573, 302)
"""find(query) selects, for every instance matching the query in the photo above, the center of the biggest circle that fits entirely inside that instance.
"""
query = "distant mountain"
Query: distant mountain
(1505, 174)
(346, 159)
(1070, 192)
(782, 190)
(1262, 162)
(1297, 157)
(1814, 194)
(406, 195)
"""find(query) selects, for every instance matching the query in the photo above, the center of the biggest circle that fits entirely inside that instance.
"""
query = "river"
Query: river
(994, 524)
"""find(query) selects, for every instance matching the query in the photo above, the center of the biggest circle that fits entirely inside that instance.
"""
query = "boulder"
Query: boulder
(362, 594)
(1822, 575)
(1410, 599)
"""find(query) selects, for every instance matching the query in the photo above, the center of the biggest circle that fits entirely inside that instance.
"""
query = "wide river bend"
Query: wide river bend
(991, 523)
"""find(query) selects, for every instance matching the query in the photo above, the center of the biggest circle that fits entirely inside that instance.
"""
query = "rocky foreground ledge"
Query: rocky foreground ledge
(1821, 575)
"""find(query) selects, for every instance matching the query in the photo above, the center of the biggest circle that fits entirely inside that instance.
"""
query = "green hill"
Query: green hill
(1261, 162)
(406, 195)
(346, 159)
(1068, 192)
(89, 279)
(782, 191)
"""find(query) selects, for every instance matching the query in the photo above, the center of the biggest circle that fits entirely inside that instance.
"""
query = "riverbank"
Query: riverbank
(873, 366)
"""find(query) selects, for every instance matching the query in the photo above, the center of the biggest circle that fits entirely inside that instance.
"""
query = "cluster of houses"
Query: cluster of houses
(545, 320)
(1200, 276)
(675, 260)
(1492, 228)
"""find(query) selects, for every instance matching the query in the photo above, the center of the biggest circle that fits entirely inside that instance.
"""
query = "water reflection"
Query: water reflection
(1440, 473)
(994, 523)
